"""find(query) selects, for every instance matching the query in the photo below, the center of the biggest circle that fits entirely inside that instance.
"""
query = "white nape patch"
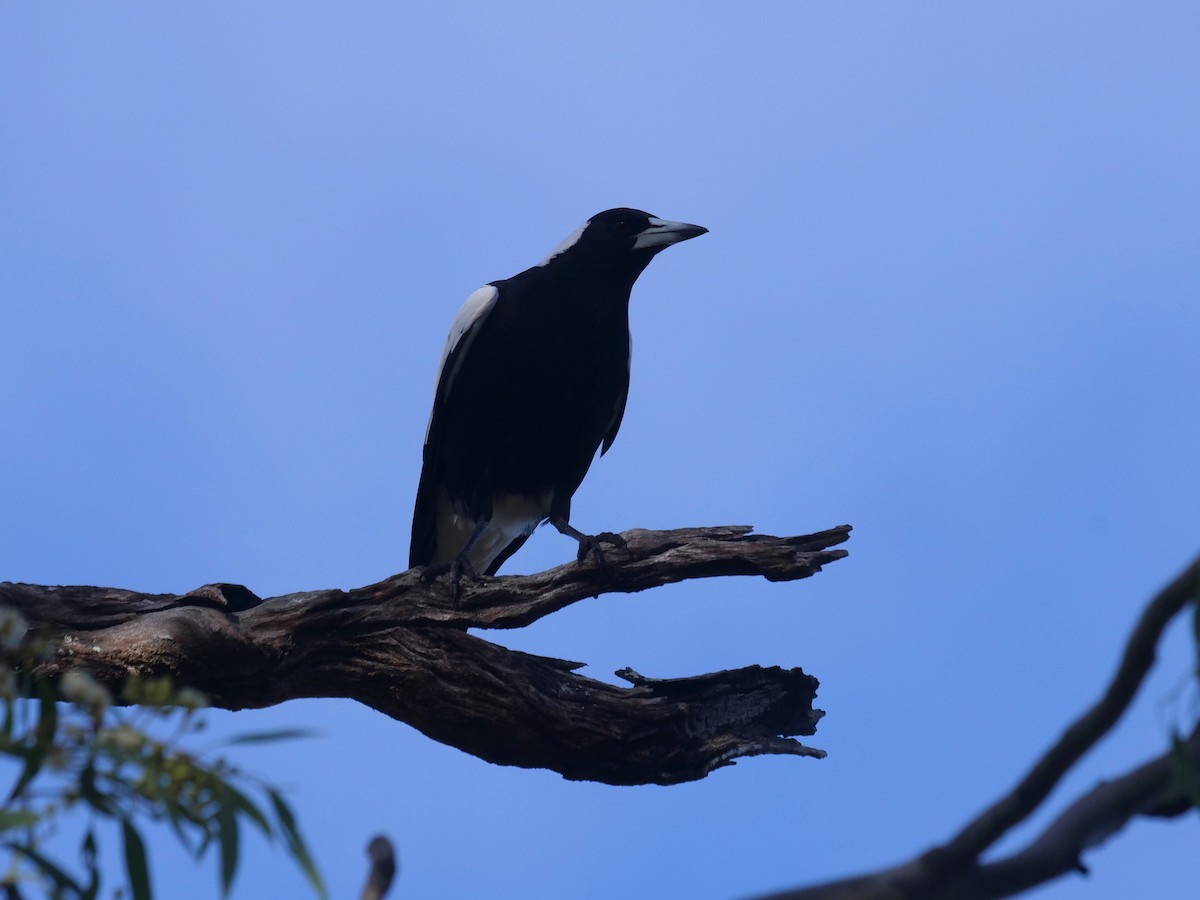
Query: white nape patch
(568, 242)
(466, 325)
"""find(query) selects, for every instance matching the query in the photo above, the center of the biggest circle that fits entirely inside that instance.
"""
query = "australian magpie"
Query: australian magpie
(532, 381)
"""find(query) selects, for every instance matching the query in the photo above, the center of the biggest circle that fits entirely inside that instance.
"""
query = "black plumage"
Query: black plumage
(533, 380)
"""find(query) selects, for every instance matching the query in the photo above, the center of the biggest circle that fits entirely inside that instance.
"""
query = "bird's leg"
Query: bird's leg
(589, 543)
(460, 565)
(480, 528)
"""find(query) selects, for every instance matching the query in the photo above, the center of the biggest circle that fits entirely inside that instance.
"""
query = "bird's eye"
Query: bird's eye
(623, 227)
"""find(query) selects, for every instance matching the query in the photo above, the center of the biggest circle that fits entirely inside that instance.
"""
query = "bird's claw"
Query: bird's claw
(589, 544)
(457, 568)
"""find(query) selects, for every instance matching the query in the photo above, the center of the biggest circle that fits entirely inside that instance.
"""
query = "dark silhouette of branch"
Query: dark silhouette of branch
(953, 870)
(383, 868)
(1153, 789)
(401, 646)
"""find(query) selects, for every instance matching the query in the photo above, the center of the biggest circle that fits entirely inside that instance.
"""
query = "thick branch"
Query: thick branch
(944, 871)
(401, 647)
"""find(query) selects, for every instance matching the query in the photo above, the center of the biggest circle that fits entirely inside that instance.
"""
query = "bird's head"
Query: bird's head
(622, 234)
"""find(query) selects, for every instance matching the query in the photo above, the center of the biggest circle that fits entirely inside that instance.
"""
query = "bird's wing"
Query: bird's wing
(463, 332)
(614, 425)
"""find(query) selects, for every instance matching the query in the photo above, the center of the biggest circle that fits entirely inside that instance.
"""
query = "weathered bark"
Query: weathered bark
(401, 647)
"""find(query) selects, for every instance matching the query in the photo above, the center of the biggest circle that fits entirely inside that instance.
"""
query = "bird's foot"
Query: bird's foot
(589, 544)
(456, 568)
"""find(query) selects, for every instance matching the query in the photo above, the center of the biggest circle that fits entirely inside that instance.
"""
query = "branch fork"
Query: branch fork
(401, 646)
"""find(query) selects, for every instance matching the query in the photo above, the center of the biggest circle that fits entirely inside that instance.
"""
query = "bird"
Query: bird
(532, 381)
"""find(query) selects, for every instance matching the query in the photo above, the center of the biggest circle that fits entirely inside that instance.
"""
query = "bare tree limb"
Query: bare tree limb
(953, 871)
(1080, 737)
(1153, 789)
(401, 647)
(651, 559)
(383, 868)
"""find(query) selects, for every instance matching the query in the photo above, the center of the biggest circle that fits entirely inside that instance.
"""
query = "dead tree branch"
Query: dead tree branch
(383, 868)
(954, 871)
(401, 647)
(1153, 789)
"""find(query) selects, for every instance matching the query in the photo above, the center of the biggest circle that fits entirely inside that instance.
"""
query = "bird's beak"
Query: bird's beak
(663, 233)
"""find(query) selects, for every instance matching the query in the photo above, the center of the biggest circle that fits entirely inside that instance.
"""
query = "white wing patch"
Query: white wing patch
(473, 311)
(466, 325)
(568, 242)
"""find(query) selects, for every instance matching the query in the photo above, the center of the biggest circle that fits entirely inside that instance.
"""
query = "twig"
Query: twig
(383, 868)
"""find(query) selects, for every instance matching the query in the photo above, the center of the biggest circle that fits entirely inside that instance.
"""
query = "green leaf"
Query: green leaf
(44, 733)
(88, 790)
(227, 833)
(264, 737)
(149, 692)
(89, 860)
(247, 806)
(1196, 631)
(178, 817)
(61, 879)
(1185, 769)
(295, 843)
(6, 730)
(89, 849)
(135, 862)
(204, 845)
(17, 818)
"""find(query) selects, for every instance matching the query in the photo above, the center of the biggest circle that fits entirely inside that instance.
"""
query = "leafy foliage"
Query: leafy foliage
(73, 751)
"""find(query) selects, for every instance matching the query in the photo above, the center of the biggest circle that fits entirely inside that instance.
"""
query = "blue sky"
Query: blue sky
(949, 296)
